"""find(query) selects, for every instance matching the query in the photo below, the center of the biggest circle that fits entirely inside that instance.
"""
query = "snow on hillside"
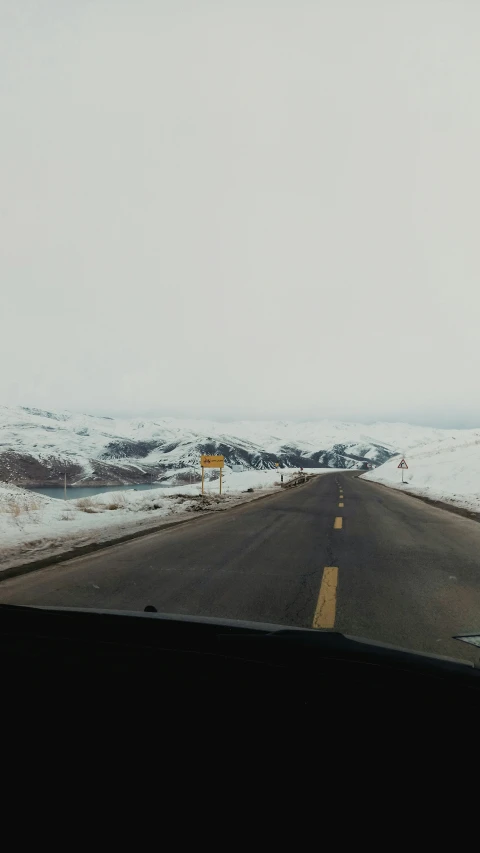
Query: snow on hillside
(446, 470)
(37, 447)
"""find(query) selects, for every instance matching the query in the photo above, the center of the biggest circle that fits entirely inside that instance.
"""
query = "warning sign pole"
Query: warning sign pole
(402, 465)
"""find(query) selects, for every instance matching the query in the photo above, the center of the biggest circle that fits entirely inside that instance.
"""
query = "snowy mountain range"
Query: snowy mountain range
(37, 447)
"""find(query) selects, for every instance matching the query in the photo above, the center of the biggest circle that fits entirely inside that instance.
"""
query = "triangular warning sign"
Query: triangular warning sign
(403, 464)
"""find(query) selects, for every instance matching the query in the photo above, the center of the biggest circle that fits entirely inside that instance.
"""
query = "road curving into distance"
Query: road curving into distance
(337, 553)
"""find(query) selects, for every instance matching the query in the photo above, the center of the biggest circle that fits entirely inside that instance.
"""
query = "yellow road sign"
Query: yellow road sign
(207, 461)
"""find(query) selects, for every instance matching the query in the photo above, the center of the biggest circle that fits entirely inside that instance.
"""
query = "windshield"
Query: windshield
(240, 318)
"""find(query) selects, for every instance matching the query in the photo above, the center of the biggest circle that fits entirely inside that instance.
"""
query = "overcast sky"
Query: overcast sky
(241, 209)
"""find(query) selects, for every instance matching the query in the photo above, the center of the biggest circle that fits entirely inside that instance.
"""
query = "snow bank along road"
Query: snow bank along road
(339, 552)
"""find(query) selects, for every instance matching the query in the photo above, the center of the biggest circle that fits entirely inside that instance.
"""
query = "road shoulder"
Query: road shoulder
(54, 558)
(457, 510)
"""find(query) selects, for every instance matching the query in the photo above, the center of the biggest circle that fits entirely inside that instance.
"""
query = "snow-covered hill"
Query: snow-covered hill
(37, 447)
(446, 470)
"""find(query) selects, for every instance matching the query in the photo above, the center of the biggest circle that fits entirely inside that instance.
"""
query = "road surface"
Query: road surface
(338, 552)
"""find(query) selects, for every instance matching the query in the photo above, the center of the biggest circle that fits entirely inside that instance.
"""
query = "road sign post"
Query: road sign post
(208, 461)
(402, 465)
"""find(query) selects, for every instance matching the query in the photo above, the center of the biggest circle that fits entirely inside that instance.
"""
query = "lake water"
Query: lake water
(87, 491)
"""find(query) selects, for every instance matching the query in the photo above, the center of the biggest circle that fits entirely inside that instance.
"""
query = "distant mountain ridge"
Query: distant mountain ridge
(37, 446)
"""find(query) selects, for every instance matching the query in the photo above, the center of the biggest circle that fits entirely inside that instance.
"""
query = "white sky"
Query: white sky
(241, 209)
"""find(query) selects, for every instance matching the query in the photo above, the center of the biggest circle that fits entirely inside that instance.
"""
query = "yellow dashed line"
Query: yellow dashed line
(341, 505)
(327, 599)
(338, 523)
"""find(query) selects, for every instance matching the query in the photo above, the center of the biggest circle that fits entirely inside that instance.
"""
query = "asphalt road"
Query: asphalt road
(384, 566)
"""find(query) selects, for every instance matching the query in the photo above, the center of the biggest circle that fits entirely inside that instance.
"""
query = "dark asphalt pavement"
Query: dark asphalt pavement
(408, 573)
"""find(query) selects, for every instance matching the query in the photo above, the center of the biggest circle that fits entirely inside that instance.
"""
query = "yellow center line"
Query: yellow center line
(341, 505)
(327, 599)
(337, 525)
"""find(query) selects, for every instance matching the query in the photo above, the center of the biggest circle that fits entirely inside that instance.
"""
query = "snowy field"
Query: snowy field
(447, 470)
(33, 526)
